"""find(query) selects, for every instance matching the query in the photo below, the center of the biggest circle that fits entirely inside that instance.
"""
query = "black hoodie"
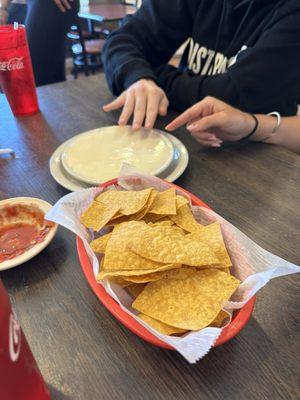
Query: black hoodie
(245, 52)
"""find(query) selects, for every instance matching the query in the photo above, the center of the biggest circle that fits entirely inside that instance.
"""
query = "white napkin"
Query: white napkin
(253, 265)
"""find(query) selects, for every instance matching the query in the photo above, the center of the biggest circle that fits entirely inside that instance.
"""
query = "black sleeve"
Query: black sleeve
(265, 77)
(145, 41)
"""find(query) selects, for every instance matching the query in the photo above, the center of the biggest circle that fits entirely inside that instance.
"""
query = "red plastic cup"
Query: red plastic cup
(16, 74)
(20, 378)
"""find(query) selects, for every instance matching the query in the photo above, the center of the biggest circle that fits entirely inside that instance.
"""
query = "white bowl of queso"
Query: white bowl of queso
(97, 156)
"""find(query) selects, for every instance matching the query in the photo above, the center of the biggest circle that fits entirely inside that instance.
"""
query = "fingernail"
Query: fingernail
(136, 127)
(191, 126)
(216, 145)
(121, 122)
(148, 126)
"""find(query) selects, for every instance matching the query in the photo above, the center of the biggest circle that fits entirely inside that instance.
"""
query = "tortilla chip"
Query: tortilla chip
(227, 270)
(138, 216)
(152, 218)
(135, 288)
(191, 303)
(212, 235)
(160, 326)
(123, 272)
(151, 277)
(219, 321)
(185, 219)
(161, 223)
(118, 256)
(164, 203)
(181, 201)
(167, 245)
(97, 215)
(99, 245)
(173, 271)
(180, 273)
(128, 202)
(119, 281)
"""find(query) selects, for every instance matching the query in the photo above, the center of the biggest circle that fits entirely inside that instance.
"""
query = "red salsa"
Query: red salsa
(21, 228)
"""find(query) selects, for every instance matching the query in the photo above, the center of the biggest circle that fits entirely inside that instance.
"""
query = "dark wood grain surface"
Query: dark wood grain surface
(83, 352)
(106, 12)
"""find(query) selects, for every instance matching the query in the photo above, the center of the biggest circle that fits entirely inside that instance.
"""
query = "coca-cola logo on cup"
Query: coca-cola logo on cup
(14, 337)
(12, 64)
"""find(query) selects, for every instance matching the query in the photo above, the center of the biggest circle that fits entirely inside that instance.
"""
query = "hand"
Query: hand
(211, 121)
(3, 16)
(63, 5)
(144, 100)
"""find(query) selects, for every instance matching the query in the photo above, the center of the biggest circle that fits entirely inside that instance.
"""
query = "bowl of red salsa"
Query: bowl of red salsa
(24, 231)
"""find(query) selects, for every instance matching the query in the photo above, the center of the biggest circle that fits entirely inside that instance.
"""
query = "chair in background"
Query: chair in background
(86, 49)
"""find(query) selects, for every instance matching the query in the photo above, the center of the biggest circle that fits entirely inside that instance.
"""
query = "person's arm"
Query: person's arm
(287, 135)
(146, 40)
(211, 121)
(4, 4)
(264, 77)
(63, 5)
(130, 55)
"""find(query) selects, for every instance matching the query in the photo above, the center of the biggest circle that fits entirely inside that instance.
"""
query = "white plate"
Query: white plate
(173, 172)
(97, 156)
(27, 255)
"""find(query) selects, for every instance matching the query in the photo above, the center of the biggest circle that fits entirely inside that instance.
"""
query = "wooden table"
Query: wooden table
(83, 352)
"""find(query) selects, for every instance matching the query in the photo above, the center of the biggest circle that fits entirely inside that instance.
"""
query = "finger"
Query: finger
(207, 123)
(139, 111)
(60, 5)
(115, 104)
(127, 110)
(66, 4)
(152, 111)
(205, 136)
(209, 143)
(163, 107)
(193, 125)
(189, 115)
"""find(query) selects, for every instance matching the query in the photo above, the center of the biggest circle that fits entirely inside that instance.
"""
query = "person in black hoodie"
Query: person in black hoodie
(244, 52)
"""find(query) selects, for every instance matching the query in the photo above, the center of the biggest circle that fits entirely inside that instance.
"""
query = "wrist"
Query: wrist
(261, 129)
(265, 131)
(249, 126)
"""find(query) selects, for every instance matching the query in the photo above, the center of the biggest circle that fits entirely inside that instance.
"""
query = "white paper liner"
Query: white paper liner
(253, 265)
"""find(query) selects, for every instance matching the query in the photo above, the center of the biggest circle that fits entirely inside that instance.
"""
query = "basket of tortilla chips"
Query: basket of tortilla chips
(176, 270)
(165, 265)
